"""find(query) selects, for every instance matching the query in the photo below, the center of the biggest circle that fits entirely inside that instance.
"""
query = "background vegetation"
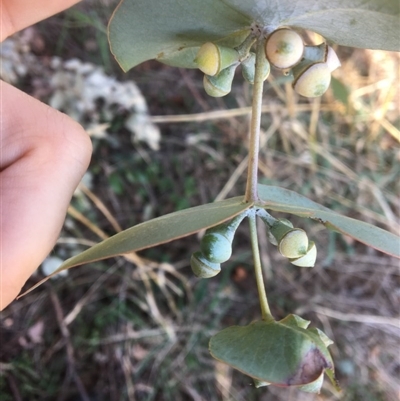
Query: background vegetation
(138, 328)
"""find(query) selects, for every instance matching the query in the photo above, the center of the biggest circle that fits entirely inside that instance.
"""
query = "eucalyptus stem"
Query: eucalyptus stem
(265, 310)
(245, 47)
(251, 194)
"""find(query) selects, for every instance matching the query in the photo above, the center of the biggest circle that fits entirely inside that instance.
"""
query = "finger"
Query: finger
(43, 155)
(18, 14)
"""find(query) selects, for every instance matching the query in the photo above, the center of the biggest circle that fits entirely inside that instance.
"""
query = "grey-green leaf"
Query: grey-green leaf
(158, 231)
(369, 24)
(141, 30)
(284, 200)
(171, 30)
(273, 352)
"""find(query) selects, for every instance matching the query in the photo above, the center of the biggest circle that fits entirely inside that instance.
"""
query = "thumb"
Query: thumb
(43, 155)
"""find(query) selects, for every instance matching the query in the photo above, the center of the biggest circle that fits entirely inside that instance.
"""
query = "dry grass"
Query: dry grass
(137, 328)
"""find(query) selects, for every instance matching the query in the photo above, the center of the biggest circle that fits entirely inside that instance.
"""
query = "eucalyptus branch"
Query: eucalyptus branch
(266, 217)
(265, 310)
(244, 48)
(251, 194)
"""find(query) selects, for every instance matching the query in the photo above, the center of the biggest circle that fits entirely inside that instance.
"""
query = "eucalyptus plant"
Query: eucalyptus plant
(217, 36)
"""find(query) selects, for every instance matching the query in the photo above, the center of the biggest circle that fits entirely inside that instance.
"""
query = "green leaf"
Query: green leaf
(141, 30)
(171, 30)
(278, 353)
(283, 200)
(369, 24)
(157, 231)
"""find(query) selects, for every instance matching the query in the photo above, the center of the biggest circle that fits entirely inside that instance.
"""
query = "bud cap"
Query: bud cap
(312, 81)
(220, 84)
(212, 58)
(203, 268)
(308, 260)
(284, 48)
(294, 243)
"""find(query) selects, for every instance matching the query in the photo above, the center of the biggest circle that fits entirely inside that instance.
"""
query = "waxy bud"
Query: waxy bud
(212, 58)
(284, 48)
(202, 267)
(311, 79)
(249, 68)
(308, 260)
(294, 243)
(216, 245)
(221, 84)
(312, 76)
(332, 60)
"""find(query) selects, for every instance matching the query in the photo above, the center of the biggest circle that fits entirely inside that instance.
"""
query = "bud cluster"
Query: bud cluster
(216, 244)
(219, 64)
(311, 66)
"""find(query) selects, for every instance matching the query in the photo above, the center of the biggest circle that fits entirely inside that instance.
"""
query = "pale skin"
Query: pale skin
(43, 155)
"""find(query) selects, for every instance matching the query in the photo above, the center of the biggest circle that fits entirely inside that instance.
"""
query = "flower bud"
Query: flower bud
(332, 60)
(216, 245)
(202, 267)
(308, 260)
(294, 243)
(311, 79)
(249, 68)
(221, 84)
(284, 48)
(212, 58)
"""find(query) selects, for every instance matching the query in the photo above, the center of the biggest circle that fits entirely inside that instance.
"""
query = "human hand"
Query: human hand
(43, 155)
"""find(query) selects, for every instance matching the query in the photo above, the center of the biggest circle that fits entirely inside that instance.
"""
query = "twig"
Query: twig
(354, 317)
(14, 388)
(255, 122)
(85, 299)
(128, 369)
(265, 309)
(68, 345)
(226, 114)
(390, 128)
(232, 180)
(101, 206)
(86, 222)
